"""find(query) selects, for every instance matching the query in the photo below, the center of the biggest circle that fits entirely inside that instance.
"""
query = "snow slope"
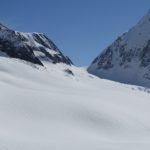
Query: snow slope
(45, 108)
(127, 59)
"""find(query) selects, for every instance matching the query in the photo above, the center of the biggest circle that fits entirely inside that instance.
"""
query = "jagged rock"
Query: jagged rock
(68, 71)
(32, 47)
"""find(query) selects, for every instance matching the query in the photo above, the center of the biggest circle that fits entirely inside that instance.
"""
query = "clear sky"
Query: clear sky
(80, 28)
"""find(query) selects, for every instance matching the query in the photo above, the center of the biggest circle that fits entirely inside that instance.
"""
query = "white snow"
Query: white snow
(46, 109)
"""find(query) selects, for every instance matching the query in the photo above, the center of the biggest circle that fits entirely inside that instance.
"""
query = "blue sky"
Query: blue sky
(80, 28)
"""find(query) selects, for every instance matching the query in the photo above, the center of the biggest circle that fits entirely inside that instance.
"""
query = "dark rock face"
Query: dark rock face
(24, 52)
(32, 47)
(106, 60)
(68, 71)
(145, 55)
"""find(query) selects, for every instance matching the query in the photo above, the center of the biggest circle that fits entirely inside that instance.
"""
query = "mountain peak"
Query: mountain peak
(145, 19)
(33, 47)
(127, 59)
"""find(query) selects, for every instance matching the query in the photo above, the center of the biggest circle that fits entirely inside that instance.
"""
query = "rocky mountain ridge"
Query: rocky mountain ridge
(32, 47)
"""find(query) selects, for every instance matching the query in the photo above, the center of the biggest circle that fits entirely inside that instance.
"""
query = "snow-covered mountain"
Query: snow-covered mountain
(127, 59)
(32, 47)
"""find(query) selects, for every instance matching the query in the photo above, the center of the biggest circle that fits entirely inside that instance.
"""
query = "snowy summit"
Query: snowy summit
(127, 59)
(32, 47)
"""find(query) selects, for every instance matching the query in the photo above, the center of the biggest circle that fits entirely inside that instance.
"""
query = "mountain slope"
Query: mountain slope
(32, 47)
(127, 59)
(47, 108)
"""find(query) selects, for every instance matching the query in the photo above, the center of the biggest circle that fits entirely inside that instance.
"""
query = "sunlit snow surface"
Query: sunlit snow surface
(48, 109)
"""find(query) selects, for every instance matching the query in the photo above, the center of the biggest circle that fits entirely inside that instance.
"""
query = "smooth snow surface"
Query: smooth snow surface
(48, 109)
